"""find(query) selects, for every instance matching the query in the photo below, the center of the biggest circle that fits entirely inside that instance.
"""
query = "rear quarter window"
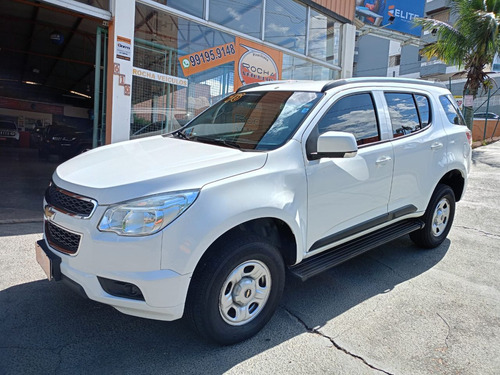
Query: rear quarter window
(451, 109)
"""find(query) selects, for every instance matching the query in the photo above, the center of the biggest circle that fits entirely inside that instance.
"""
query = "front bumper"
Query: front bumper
(165, 288)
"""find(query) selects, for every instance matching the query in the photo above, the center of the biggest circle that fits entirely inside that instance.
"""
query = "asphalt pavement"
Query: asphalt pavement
(395, 310)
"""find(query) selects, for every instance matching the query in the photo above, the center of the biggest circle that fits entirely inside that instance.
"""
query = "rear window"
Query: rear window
(451, 109)
(409, 112)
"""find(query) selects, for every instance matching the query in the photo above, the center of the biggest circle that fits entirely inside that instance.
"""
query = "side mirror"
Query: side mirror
(336, 145)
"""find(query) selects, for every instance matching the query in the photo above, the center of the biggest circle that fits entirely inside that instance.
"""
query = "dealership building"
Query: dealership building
(131, 68)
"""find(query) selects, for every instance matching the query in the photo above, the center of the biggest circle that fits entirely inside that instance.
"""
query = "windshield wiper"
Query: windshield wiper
(179, 134)
(227, 143)
(217, 141)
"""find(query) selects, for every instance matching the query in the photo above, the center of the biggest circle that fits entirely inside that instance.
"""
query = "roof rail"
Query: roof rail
(252, 85)
(255, 84)
(345, 81)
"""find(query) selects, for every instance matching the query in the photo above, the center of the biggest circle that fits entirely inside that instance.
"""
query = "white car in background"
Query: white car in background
(287, 175)
(9, 132)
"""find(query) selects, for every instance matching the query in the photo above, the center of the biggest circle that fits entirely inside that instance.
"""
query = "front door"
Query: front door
(349, 194)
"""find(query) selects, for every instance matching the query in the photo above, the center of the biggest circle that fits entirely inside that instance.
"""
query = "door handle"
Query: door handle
(383, 159)
(436, 145)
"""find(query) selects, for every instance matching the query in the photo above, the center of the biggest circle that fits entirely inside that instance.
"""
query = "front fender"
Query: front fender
(225, 204)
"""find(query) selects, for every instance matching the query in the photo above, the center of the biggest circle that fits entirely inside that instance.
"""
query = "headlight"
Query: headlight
(68, 139)
(148, 215)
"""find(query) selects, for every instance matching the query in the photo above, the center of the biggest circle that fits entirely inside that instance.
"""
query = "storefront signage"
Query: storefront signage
(253, 62)
(207, 59)
(395, 15)
(123, 48)
(256, 63)
(155, 76)
(256, 66)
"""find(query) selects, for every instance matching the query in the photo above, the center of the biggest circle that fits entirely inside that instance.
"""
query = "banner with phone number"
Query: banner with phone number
(208, 58)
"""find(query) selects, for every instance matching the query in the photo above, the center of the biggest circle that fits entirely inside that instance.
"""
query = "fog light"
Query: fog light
(121, 289)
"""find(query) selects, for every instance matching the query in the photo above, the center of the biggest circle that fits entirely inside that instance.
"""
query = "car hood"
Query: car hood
(153, 165)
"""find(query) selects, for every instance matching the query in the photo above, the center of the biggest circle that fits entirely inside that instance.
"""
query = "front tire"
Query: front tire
(438, 218)
(235, 290)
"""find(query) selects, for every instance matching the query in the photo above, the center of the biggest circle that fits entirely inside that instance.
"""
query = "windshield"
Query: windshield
(7, 125)
(253, 120)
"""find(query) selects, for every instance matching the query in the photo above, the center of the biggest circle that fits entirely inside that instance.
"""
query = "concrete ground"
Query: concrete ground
(394, 310)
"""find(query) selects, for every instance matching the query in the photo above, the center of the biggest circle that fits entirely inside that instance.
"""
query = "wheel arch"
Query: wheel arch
(277, 231)
(455, 180)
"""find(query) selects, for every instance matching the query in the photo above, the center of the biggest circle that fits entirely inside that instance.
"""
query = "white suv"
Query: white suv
(297, 176)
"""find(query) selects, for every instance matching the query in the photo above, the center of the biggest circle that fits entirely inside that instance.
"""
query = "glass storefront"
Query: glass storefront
(159, 106)
(191, 7)
(242, 16)
(102, 4)
(324, 38)
(286, 24)
(181, 66)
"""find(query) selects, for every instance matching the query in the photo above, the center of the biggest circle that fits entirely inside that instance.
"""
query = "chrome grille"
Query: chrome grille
(69, 203)
(61, 239)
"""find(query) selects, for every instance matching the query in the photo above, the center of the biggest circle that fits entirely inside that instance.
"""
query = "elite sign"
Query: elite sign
(395, 15)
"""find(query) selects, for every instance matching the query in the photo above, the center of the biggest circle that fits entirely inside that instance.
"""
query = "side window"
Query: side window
(353, 114)
(451, 110)
(404, 114)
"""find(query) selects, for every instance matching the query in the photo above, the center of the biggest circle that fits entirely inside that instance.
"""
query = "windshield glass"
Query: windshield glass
(252, 120)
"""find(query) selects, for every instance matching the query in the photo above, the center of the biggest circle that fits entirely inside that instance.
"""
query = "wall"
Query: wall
(345, 8)
(372, 59)
(409, 60)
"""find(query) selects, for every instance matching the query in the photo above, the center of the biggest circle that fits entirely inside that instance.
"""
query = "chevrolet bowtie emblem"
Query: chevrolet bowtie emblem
(49, 212)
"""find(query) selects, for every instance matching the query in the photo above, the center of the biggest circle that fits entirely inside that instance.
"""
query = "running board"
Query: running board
(330, 258)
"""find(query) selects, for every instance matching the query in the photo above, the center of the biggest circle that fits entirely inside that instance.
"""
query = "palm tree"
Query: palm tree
(471, 42)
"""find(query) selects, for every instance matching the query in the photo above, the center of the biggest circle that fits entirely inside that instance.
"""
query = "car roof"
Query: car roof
(322, 86)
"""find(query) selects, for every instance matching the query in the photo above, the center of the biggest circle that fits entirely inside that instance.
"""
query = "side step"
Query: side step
(330, 258)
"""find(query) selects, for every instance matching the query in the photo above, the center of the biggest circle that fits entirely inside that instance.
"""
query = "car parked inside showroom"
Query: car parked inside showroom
(9, 133)
(63, 141)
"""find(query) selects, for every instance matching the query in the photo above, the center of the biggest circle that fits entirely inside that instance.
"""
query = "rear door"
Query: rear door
(419, 142)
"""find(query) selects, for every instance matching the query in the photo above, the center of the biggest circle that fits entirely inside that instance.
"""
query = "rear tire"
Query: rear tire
(235, 290)
(438, 219)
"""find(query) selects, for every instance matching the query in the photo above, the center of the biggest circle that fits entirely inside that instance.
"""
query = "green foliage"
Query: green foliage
(471, 42)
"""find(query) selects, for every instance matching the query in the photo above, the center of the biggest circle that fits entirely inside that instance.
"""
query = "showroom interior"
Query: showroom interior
(52, 64)
(114, 70)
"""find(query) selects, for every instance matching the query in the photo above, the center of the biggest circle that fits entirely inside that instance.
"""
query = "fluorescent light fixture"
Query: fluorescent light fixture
(80, 94)
(31, 83)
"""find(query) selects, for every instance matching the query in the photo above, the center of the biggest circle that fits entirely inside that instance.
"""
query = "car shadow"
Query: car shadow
(376, 272)
(48, 328)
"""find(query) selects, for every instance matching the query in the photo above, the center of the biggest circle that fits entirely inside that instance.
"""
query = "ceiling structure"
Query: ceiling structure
(46, 53)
